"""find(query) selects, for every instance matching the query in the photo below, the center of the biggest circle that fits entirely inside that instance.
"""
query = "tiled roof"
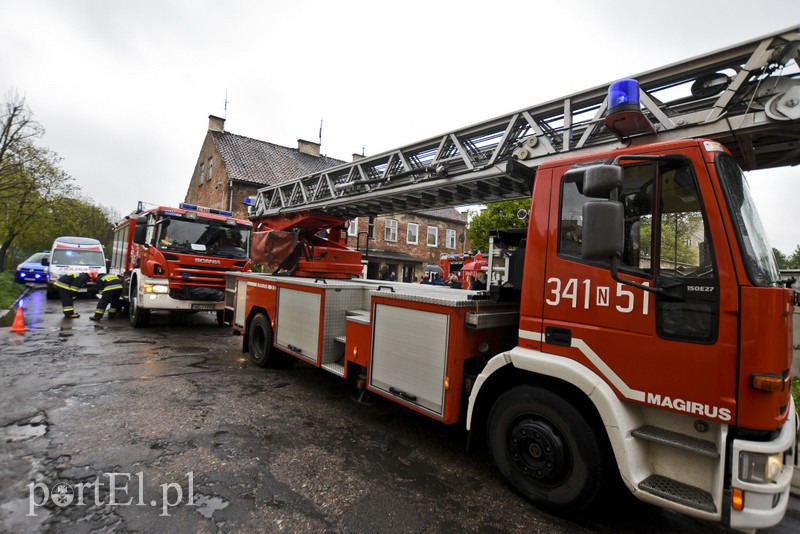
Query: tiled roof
(450, 214)
(258, 162)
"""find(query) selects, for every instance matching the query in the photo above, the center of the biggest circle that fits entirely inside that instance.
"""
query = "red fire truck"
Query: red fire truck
(463, 266)
(637, 331)
(175, 259)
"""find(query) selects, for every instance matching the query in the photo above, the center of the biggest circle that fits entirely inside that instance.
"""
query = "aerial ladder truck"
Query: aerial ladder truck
(640, 331)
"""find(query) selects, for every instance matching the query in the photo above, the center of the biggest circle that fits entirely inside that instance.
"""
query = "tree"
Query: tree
(497, 216)
(780, 259)
(80, 217)
(794, 259)
(36, 187)
(30, 177)
(17, 131)
(38, 199)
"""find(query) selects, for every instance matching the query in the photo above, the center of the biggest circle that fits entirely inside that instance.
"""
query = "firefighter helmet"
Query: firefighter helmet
(92, 275)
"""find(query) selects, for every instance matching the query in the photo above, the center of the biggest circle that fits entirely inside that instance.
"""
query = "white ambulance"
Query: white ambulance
(73, 255)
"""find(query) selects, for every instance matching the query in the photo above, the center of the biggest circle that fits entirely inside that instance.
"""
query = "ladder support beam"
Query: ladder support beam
(470, 162)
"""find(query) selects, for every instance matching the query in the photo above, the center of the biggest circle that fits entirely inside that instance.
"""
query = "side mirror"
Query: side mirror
(140, 232)
(602, 181)
(45, 261)
(603, 230)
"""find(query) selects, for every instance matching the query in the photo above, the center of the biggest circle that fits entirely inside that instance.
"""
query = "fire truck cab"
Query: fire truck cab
(175, 259)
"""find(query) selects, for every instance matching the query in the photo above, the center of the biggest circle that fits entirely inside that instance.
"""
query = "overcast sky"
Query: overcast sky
(124, 89)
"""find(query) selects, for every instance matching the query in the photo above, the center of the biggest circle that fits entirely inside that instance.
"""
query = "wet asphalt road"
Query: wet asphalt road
(175, 414)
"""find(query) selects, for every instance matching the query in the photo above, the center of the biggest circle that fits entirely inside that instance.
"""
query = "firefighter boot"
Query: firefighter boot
(71, 315)
(95, 317)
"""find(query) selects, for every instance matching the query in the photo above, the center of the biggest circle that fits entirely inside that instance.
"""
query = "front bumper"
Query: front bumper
(765, 504)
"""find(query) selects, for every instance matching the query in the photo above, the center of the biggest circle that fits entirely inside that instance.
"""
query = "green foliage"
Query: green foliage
(780, 259)
(39, 199)
(9, 290)
(794, 260)
(791, 261)
(497, 216)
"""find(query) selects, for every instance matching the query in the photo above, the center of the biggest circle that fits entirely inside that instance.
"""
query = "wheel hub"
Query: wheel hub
(538, 451)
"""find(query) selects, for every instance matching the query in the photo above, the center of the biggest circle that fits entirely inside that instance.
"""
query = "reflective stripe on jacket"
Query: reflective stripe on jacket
(72, 281)
(108, 282)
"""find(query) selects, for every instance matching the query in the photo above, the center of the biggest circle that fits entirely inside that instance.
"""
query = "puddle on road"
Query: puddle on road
(208, 505)
(25, 429)
(18, 519)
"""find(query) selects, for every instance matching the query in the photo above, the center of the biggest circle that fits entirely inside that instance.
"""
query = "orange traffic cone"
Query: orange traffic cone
(19, 322)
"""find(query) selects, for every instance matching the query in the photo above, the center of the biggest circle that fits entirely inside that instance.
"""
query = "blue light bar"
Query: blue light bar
(623, 96)
(202, 209)
(249, 201)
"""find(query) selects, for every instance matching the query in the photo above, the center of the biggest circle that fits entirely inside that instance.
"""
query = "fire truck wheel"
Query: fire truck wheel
(138, 317)
(546, 449)
(260, 340)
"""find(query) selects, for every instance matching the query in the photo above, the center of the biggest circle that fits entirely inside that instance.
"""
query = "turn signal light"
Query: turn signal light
(737, 502)
(770, 383)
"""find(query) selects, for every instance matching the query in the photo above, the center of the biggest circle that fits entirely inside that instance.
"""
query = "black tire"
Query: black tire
(138, 316)
(260, 341)
(52, 294)
(546, 449)
(221, 317)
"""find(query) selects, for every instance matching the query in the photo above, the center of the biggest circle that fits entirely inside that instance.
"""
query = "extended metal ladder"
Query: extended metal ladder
(746, 96)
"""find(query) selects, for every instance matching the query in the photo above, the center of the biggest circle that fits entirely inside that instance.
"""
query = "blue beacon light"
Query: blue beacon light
(623, 95)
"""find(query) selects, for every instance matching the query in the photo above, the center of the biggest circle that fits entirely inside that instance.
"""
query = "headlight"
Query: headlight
(155, 288)
(759, 467)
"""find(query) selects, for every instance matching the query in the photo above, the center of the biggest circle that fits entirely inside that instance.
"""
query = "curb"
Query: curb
(13, 306)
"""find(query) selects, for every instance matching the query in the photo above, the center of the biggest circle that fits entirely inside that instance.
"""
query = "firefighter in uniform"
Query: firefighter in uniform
(68, 286)
(109, 286)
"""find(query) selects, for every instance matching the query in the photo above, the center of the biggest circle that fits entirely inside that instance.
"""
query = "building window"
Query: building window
(433, 236)
(200, 173)
(450, 240)
(412, 234)
(371, 228)
(352, 230)
(390, 230)
(210, 165)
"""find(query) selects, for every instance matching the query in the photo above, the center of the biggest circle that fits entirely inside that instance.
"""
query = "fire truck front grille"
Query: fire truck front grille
(197, 293)
(200, 275)
(197, 282)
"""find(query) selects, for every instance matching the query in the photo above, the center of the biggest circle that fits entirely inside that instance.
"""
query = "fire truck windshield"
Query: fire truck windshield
(203, 237)
(753, 241)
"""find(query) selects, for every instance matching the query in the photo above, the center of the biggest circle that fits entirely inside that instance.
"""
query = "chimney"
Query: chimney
(358, 157)
(307, 147)
(215, 123)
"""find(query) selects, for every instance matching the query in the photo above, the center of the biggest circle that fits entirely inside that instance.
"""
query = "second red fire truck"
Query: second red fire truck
(637, 330)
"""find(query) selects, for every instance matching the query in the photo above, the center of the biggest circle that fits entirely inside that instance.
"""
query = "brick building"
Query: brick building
(405, 243)
(231, 167)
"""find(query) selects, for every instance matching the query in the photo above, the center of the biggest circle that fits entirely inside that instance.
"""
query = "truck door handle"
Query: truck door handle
(402, 394)
(558, 336)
